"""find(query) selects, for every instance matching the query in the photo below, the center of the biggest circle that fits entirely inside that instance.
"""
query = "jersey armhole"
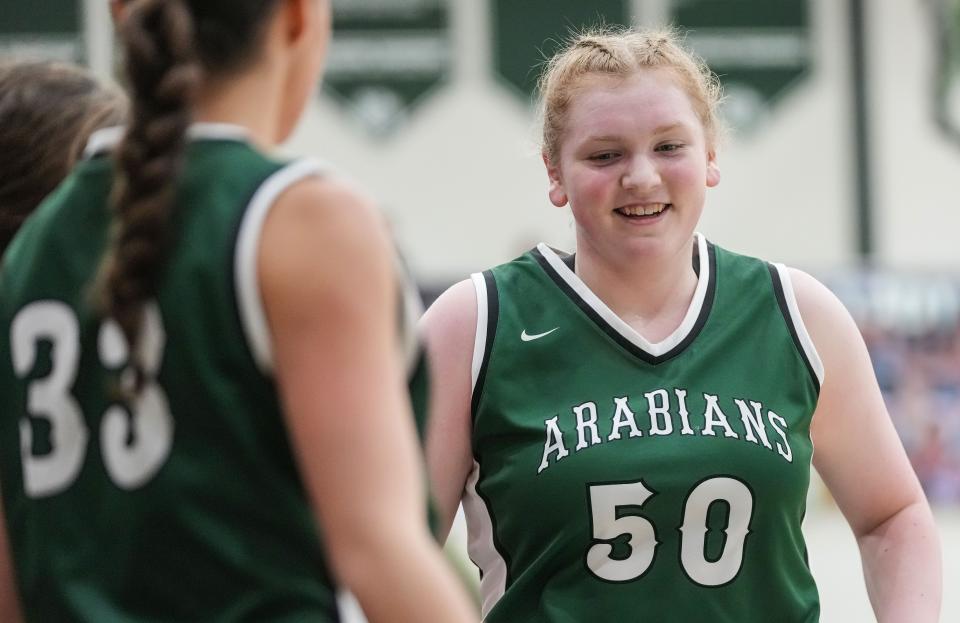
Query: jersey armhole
(787, 301)
(253, 317)
(488, 310)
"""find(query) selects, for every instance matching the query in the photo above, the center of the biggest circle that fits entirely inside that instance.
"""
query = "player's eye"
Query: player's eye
(604, 156)
(669, 147)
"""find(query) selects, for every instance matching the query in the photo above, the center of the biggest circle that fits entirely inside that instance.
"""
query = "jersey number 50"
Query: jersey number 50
(611, 511)
(149, 423)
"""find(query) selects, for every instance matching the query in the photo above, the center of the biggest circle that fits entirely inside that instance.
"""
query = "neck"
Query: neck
(250, 100)
(651, 294)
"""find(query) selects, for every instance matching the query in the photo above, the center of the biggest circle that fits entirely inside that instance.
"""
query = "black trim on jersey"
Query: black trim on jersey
(494, 533)
(626, 344)
(571, 260)
(788, 318)
(493, 313)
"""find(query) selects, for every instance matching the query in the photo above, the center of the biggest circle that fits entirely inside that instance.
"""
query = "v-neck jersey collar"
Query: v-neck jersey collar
(619, 330)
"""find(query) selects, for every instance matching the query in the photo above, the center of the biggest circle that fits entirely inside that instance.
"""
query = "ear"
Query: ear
(117, 11)
(294, 16)
(557, 194)
(713, 169)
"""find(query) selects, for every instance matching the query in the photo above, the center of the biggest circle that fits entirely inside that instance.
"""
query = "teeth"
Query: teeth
(634, 210)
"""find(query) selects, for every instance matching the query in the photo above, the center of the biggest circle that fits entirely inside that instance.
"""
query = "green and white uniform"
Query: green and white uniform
(189, 506)
(619, 480)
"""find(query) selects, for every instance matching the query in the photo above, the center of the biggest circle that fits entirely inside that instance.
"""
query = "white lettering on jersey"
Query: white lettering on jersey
(554, 443)
(659, 410)
(714, 417)
(623, 417)
(586, 423)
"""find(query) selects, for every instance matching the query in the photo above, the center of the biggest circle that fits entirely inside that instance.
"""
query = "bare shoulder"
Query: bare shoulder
(338, 215)
(825, 317)
(451, 320)
(325, 241)
(814, 299)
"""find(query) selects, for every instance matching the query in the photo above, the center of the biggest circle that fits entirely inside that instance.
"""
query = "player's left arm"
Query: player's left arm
(860, 458)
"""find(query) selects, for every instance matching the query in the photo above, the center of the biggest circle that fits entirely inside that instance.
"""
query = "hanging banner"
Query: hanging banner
(527, 32)
(49, 29)
(947, 16)
(386, 56)
(760, 49)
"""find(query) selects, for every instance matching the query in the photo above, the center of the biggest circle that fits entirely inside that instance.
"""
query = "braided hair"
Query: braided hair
(170, 46)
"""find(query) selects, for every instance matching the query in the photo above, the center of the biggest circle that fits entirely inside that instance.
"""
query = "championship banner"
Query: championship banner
(947, 16)
(42, 30)
(385, 57)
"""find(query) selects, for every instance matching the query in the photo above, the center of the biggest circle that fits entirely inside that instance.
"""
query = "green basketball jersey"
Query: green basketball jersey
(618, 480)
(188, 506)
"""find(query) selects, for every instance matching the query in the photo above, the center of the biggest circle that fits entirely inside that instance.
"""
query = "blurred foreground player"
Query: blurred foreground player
(204, 406)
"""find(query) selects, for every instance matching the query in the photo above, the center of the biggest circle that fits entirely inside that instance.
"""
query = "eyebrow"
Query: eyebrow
(663, 129)
(668, 128)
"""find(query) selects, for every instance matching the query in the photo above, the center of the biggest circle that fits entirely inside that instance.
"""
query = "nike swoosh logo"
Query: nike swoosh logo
(526, 337)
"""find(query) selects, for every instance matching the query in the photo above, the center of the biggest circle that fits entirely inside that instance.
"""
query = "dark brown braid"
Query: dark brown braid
(47, 113)
(163, 71)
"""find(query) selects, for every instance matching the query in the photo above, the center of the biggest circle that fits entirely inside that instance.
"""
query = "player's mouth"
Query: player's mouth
(647, 211)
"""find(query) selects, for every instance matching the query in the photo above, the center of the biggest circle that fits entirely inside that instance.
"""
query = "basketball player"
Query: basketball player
(630, 428)
(204, 406)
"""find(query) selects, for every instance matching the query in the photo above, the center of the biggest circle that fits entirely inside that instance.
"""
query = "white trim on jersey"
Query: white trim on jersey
(480, 546)
(808, 347)
(106, 139)
(480, 339)
(349, 608)
(621, 327)
(102, 140)
(249, 302)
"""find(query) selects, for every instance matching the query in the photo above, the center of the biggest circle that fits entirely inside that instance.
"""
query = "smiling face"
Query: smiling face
(634, 164)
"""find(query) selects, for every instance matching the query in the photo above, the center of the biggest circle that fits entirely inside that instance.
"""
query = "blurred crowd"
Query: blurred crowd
(911, 324)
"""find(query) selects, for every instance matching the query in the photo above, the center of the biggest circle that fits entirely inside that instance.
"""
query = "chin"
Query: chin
(656, 246)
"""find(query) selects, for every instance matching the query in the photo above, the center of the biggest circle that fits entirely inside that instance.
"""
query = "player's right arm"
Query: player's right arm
(326, 272)
(449, 328)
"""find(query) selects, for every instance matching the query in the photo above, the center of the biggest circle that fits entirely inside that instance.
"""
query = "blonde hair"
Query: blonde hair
(622, 53)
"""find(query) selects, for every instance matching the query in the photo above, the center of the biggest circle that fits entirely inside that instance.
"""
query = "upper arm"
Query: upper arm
(856, 448)
(449, 328)
(325, 267)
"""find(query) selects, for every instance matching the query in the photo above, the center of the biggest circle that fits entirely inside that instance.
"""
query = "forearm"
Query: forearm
(408, 581)
(902, 567)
